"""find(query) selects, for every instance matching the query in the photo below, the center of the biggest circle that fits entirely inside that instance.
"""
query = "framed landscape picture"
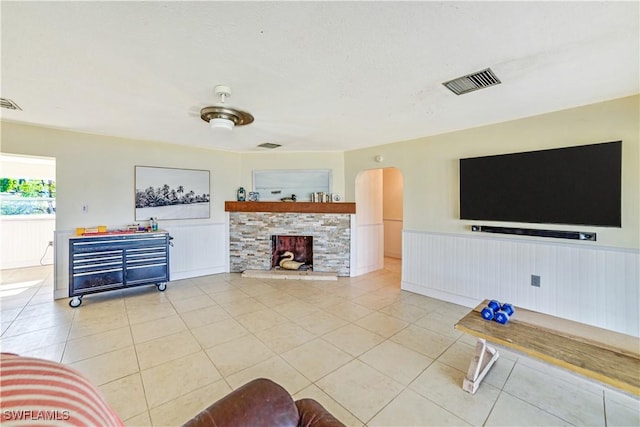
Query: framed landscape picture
(168, 193)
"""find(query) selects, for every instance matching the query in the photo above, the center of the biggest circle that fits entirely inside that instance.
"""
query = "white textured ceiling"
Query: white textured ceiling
(316, 75)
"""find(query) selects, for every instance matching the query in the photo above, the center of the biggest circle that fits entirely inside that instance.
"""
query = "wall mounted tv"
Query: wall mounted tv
(573, 185)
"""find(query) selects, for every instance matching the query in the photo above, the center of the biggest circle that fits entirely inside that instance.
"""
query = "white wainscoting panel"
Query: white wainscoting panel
(353, 262)
(599, 286)
(24, 242)
(369, 248)
(198, 250)
(61, 264)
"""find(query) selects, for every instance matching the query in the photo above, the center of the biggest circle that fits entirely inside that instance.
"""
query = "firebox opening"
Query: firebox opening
(296, 249)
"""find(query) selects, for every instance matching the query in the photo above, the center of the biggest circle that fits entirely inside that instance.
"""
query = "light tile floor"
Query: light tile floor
(371, 353)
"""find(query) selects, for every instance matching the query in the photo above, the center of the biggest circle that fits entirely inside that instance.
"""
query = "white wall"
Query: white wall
(430, 175)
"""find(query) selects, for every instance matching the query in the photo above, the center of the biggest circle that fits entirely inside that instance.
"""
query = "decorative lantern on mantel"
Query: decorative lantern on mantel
(241, 194)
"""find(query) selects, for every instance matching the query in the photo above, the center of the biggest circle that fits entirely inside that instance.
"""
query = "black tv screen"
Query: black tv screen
(573, 185)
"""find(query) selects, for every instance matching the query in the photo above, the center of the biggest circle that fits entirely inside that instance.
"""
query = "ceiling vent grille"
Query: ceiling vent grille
(471, 82)
(9, 104)
(269, 145)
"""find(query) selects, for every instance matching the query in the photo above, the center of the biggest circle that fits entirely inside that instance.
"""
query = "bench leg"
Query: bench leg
(482, 361)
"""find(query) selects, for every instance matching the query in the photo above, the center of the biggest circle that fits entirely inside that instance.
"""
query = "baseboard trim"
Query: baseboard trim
(441, 295)
(197, 273)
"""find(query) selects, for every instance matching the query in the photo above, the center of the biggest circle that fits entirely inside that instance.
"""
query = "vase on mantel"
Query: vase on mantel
(241, 194)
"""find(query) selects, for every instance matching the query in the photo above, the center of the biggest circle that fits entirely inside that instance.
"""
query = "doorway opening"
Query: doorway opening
(379, 219)
(27, 225)
(27, 219)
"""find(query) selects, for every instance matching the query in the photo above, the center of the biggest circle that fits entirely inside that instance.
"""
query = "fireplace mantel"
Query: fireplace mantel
(294, 207)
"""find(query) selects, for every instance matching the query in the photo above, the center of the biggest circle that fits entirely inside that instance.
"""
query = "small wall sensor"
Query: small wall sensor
(379, 158)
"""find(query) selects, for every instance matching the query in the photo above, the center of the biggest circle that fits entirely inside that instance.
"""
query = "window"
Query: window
(276, 184)
(20, 196)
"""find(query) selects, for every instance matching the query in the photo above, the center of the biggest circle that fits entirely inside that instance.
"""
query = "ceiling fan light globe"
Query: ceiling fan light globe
(220, 123)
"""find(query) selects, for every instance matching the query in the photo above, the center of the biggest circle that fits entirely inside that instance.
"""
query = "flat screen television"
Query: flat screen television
(573, 185)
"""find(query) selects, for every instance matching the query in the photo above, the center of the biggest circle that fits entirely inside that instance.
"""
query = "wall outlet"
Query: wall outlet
(50, 242)
(535, 280)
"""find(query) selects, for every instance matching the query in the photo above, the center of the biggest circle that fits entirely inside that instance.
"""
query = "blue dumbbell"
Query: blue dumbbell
(508, 308)
(504, 314)
(489, 312)
(494, 305)
(502, 317)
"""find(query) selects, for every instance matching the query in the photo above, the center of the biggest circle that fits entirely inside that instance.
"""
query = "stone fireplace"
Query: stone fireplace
(252, 225)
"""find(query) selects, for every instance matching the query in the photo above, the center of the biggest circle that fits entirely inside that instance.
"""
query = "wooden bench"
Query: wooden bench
(610, 357)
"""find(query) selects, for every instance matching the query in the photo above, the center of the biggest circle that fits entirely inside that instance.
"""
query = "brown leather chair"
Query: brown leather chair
(262, 402)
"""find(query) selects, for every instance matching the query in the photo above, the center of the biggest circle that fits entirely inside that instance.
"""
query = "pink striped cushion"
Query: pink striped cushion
(41, 392)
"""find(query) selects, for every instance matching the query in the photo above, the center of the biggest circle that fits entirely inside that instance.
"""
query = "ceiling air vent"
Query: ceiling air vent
(269, 145)
(471, 82)
(9, 104)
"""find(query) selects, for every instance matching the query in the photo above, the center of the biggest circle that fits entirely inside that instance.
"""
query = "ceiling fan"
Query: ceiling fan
(267, 133)
(223, 117)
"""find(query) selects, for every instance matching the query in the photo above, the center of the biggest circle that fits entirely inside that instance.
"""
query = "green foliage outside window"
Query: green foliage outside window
(27, 196)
